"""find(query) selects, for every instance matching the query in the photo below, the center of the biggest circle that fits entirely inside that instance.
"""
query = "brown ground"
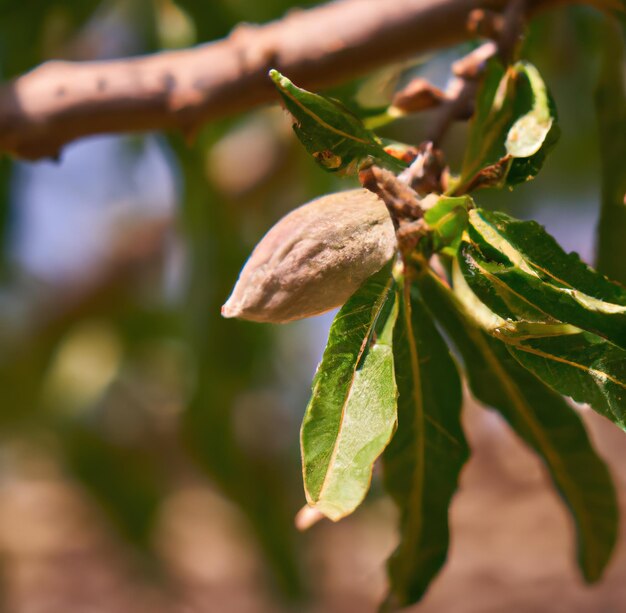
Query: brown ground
(511, 548)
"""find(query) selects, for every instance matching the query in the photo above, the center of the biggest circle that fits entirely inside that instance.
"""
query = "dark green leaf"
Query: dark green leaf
(333, 135)
(611, 111)
(582, 366)
(519, 272)
(542, 253)
(509, 329)
(513, 129)
(423, 460)
(352, 412)
(577, 364)
(543, 420)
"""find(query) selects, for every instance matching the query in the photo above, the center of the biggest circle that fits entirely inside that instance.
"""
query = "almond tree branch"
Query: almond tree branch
(59, 102)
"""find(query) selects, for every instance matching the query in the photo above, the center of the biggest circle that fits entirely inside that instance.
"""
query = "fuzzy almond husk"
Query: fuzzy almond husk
(314, 258)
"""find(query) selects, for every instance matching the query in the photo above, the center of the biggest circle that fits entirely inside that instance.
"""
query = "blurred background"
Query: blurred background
(149, 453)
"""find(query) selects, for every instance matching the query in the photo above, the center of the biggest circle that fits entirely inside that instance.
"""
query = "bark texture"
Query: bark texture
(60, 101)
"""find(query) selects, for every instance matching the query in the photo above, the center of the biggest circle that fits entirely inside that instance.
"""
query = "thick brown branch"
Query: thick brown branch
(61, 101)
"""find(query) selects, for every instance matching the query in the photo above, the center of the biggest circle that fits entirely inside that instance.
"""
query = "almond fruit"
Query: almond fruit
(314, 258)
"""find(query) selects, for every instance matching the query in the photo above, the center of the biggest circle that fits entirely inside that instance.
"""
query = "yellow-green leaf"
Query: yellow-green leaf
(352, 412)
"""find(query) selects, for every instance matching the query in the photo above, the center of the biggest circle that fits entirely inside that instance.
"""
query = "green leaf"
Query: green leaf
(333, 135)
(543, 420)
(527, 134)
(611, 111)
(513, 129)
(533, 135)
(423, 460)
(510, 329)
(530, 241)
(520, 273)
(447, 219)
(576, 364)
(582, 366)
(489, 123)
(352, 413)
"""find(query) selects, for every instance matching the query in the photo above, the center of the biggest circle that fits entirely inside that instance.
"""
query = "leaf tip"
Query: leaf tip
(279, 80)
(306, 517)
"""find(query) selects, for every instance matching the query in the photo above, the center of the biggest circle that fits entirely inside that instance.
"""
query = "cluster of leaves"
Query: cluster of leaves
(527, 323)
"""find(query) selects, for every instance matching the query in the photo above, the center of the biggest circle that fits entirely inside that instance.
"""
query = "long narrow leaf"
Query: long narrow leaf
(423, 460)
(334, 136)
(611, 111)
(512, 130)
(528, 245)
(577, 364)
(352, 412)
(582, 366)
(520, 272)
(544, 421)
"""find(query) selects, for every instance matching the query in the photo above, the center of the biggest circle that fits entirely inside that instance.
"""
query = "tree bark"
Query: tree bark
(60, 101)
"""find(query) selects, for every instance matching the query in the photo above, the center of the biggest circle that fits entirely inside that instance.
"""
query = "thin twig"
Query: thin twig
(506, 31)
(513, 23)
(426, 174)
(461, 91)
(402, 202)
